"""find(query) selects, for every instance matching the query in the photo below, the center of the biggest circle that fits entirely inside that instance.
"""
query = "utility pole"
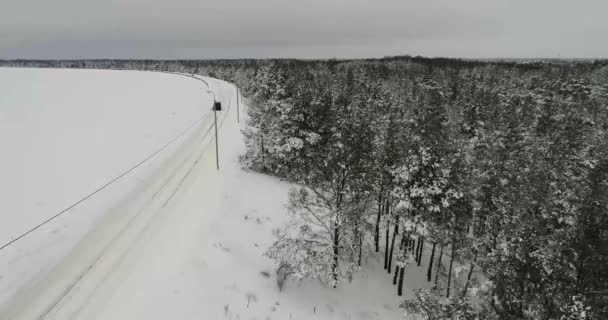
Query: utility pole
(217, 156)
(216, 106)
(238, 117)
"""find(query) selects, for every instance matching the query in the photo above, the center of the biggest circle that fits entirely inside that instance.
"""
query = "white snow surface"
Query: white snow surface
(64, 133)
(186, 241)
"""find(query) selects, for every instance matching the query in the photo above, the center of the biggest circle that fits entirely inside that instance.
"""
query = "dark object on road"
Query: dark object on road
(217, 106)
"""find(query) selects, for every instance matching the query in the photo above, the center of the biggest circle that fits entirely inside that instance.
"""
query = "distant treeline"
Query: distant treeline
(193, 64)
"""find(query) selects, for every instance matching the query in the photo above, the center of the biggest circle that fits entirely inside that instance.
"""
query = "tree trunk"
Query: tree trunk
(388, 223)
(450, 271)
(420, 250)
(379, 217)
(359, 238)
(396, 274)
(580, 275)
(395, 232)
(360, 247)
(466, 286)
(263, 155)
(400, 287)
(438, 264)
(416, 251)
(334, 267)
(430, 270)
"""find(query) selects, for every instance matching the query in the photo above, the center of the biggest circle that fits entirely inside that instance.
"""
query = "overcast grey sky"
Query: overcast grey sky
(302, 29)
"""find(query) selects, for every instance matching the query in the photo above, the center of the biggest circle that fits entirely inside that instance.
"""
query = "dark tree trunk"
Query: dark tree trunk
(438, 264)
(420, 250)
(360, 247)
(334, 267)
(264, 169)
(466, 286)
(359, 237)
(429, 272)
(395, 232)
(416, 251)
(400, 287)
(388, 223)
(450, 271)
(580, 275)
(378, 218)
(396, 274)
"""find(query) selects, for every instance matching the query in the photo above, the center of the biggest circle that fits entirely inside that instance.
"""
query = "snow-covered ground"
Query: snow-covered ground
(187, 242)
(66, 133)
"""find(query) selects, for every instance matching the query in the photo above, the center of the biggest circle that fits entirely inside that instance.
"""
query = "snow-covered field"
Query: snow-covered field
(181, 240)
(66, 133)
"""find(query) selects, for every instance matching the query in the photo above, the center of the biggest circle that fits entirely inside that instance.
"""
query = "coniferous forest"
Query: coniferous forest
(493, 176)
(500, 171)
